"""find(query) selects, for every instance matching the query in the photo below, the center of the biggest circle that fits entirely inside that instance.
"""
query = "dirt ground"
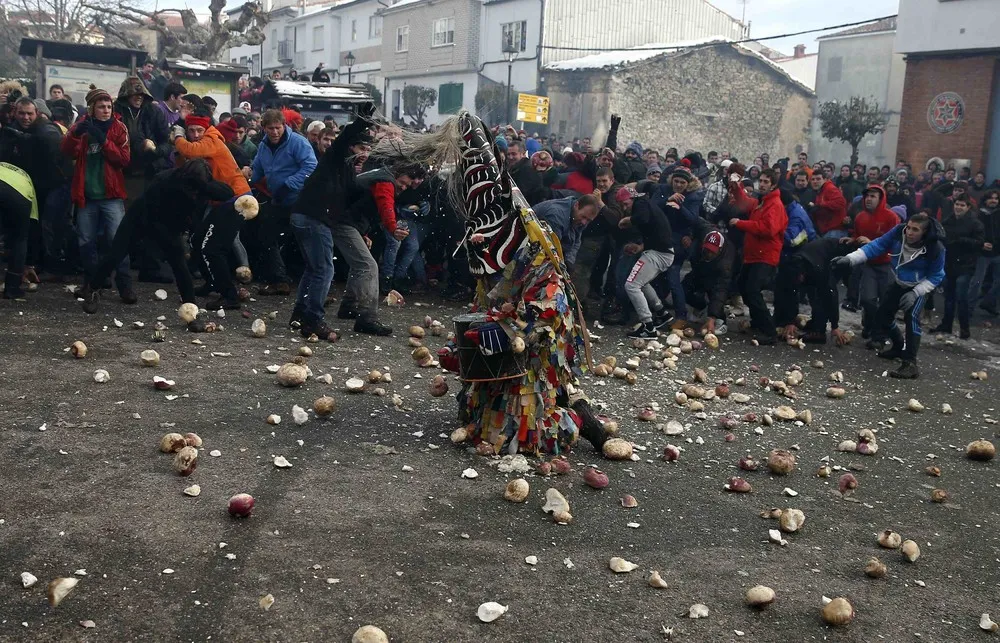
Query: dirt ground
(346, 537)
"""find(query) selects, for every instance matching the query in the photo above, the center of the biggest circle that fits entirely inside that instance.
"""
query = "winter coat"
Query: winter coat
(800, 228)
(712, 277)
(176, 209)
(873, 225)
(212, 148)
(146, 123)
(830, 209)
(805, 196)
(333, 184)
(528, 180)
(558, 213)
(116, 158)
(284, 166)
(923, 272)
(576, 181)
(687, 212)
(650, 221)
(991, 230)
(963, 242)
(765, 229)
(37, 152)
(375, 204)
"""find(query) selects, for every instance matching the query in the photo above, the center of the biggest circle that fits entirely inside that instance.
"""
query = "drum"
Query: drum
(474, 365)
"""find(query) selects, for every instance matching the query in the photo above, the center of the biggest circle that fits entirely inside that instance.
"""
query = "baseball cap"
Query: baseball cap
(625, 193)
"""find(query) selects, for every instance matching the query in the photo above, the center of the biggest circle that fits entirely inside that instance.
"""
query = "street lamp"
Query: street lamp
(510, 53)
(349, 59)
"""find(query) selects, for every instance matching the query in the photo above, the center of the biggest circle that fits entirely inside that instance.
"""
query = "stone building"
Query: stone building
(701, 95)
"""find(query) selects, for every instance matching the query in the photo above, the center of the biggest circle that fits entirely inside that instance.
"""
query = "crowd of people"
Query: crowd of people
(164, 184)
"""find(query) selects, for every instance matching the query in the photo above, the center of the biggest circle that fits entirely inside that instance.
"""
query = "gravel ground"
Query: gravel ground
(346, 537)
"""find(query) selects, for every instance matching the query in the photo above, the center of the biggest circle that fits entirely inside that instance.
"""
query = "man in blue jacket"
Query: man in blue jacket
(284, 161)
(567, 218)
(917, 259)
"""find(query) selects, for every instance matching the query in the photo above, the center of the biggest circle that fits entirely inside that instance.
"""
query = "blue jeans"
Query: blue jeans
(983, 265)
(400, 256)
(96, 216)
(316, 244)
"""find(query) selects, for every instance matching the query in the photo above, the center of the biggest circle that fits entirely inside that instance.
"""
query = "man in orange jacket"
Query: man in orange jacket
(213, 237)
(764, 236)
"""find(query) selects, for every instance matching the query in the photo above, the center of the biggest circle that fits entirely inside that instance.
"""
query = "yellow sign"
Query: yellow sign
(533, 109)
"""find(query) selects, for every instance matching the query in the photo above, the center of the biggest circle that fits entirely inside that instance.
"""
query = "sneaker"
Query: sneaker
(295, 321)
(90, 299)
(128, 295)
(907, 371)
(320, 330)
(891, 353)
(225, 303)
(875, 344)
(666, 320)
(644, 331)
(964, 334)
(348, 312)
(720, 328)
(372, 327)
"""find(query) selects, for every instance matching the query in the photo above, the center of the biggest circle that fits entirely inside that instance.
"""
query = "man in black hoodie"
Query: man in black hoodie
(963, 241)
(657, 255)
(321, 206)
(808, 270)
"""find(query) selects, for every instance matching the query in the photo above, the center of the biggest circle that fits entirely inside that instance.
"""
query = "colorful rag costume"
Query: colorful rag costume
(530, 307)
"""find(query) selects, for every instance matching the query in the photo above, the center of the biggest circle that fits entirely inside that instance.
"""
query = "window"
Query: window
(444, 34)
(354, 31)
(450, 98)
(374, 27)
(274, 39)
(318, 37)
(833, 69)
(515, 33)
(403, 38)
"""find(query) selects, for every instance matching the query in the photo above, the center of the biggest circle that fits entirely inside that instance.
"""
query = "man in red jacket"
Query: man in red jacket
(765, 235)
(829, 211)
(871, 223)
(99, 145)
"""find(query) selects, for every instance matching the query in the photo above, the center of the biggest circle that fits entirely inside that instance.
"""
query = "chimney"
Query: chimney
(800, 51)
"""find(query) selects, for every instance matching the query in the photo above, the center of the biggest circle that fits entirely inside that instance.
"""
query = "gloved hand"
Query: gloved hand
(366, 110)
(908, 301)
(840, 265)
(96, 134)
(176, 132)
(492, 339)
(616, 120)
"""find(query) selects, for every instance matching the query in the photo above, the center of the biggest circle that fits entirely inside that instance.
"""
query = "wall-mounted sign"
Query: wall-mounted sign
(946, 112)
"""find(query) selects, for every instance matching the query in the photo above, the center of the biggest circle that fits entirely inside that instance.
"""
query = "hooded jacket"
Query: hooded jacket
(923, 272)
(963, 241)
(830, 209)
(528, 180)
(765, 229)
(874, 224)
(683, 217)
(652, 224)
(212, 148)
(145, 123)
(333, 183)
(375, 203)
(115, 150)
(284, 166)
(800, 228)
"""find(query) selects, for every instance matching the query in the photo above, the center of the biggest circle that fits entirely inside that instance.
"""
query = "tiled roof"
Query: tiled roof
(885, 24)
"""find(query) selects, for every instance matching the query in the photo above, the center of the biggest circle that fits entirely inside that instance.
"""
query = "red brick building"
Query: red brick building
(951, 93)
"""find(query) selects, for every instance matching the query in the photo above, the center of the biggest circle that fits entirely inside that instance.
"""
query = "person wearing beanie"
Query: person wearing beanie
(764, 231)
(99, 144)
(284, 160)
(214, 236)
(652, 258)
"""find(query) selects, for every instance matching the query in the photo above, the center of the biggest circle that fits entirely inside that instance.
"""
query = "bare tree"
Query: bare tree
(61, 20)
(202, 41)
(850, 122)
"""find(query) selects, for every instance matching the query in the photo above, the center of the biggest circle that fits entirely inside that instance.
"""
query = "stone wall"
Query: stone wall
(705, 99)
